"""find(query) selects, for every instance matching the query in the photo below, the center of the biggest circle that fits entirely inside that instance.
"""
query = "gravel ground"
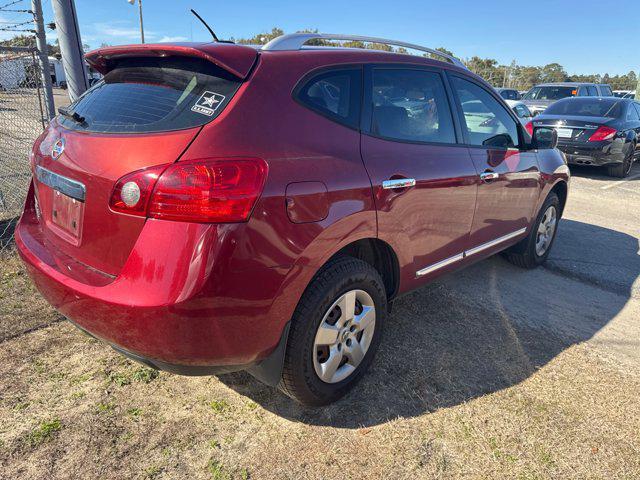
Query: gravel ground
(491, 372)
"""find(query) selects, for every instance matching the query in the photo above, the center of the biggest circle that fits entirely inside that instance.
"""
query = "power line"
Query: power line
(10, 3)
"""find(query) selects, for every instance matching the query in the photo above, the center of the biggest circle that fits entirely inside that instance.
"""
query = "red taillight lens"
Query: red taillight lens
(603, 133)
(529, 128)
(211, 191)
(132, 192)
(203, 191)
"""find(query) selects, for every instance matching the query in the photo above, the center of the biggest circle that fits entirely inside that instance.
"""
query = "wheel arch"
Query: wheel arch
(380, 255)
(561, 189)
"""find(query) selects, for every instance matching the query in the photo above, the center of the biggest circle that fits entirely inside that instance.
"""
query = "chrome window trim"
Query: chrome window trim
(460, 256)
(69, 187)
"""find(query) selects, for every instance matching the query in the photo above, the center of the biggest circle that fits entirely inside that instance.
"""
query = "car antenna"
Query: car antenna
(215, 38)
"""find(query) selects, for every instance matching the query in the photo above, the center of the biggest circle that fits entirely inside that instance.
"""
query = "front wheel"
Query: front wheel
(534, 249)
(335, 332)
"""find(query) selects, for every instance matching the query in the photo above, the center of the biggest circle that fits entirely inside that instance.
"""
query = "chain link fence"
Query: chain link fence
(22, 119)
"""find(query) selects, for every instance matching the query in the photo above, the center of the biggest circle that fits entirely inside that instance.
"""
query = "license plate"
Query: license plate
(564, 132)
(67, 214)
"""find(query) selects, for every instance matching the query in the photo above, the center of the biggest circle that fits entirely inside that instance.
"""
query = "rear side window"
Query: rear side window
(154, 95)
(487, 122)
(411, 105)
(334, 94)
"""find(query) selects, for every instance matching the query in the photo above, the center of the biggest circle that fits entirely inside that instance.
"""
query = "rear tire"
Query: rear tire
(533, 250)
(622, 170)
(311, 349)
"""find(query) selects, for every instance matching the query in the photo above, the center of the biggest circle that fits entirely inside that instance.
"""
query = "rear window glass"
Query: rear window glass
(550, 93)
(153, 95)
(587, 107)
(606, 91)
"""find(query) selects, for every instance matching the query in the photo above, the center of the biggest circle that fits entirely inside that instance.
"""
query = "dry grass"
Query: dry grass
(70, 407)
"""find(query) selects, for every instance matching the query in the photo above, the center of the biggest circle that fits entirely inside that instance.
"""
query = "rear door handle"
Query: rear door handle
(488, 176)
(399, 183)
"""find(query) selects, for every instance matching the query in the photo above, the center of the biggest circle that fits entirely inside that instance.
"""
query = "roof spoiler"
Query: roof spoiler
(297, 41)
(236, 59)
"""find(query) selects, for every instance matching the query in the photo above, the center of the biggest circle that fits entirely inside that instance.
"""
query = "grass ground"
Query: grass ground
(70, 407)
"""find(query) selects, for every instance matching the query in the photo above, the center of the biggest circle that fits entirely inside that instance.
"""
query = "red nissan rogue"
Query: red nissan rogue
(211, 207)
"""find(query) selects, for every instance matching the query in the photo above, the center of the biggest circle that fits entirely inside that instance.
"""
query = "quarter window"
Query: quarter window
(335, 94)
(411, 105)
(487, 123)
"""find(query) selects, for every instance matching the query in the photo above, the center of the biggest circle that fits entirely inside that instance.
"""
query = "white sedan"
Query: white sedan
(521, 110)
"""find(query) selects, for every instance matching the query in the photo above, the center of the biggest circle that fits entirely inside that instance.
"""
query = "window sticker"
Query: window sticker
(208, 103)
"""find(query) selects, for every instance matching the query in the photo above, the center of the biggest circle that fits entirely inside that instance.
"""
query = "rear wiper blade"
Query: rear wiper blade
(75, 116)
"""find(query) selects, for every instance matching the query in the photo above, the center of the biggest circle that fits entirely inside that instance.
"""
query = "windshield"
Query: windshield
(587, 107)
(153, 95)
(550, 93)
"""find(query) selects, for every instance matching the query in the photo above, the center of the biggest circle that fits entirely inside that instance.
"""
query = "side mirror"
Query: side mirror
(544, 138)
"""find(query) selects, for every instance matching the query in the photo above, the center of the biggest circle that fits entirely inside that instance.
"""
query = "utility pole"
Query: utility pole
(70, 47)
(133, 2)
(141, 25)
(43, 55)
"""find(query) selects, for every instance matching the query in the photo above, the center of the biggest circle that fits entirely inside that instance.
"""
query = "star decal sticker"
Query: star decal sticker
(210, 101)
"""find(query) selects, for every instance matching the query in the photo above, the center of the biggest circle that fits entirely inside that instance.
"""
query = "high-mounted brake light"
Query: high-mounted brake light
(529, 128)
(203, 191)
(603, 133)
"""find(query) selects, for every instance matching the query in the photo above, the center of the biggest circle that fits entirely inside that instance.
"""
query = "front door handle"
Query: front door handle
(489, 176)
(399, 183)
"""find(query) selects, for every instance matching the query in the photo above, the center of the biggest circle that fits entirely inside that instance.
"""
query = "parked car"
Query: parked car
(621, 93)
(521, 110)
(543, 95)
(509, 93)
(596, 131)
(217, 207)
(631, 94)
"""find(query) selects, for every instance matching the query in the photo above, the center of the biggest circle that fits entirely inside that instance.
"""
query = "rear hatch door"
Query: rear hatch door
(144, 113)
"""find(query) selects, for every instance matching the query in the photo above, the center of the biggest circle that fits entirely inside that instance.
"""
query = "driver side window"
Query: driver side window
(487, 122)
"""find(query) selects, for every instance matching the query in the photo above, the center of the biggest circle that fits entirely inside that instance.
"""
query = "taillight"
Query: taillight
(529, 128)
(204, 191)
(603, 133)
(132, 192)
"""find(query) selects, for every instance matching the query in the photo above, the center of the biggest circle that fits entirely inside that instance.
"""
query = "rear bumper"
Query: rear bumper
(175, 305)
(598, 154)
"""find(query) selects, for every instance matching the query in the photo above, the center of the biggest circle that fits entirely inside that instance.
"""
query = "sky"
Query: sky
(585, 36)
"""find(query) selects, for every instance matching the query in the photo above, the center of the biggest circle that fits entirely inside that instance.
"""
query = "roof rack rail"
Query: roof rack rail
(296, 41)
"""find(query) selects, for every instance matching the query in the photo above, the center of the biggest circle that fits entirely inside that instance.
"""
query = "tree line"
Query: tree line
(515, 76)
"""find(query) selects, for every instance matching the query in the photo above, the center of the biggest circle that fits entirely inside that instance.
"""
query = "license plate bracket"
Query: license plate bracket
(67, 214)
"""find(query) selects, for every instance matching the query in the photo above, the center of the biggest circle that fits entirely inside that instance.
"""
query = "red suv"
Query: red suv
(207, 208)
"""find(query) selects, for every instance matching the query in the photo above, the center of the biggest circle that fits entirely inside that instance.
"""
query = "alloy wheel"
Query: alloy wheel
(546, 230)
(344, 336)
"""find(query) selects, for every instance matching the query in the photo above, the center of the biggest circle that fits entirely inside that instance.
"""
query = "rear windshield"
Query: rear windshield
(550, 93)
(154, 95)
(587, 107)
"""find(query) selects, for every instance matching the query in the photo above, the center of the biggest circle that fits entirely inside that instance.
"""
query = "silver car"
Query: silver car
(543, 95)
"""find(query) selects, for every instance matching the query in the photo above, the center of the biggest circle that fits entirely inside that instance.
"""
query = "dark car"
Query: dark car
(545, 94)
(509, 93)
(596, 131)
(207, 208)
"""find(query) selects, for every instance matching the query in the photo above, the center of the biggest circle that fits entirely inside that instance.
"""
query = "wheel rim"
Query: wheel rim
(546, 230)
(344, 336)
(628, 165)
